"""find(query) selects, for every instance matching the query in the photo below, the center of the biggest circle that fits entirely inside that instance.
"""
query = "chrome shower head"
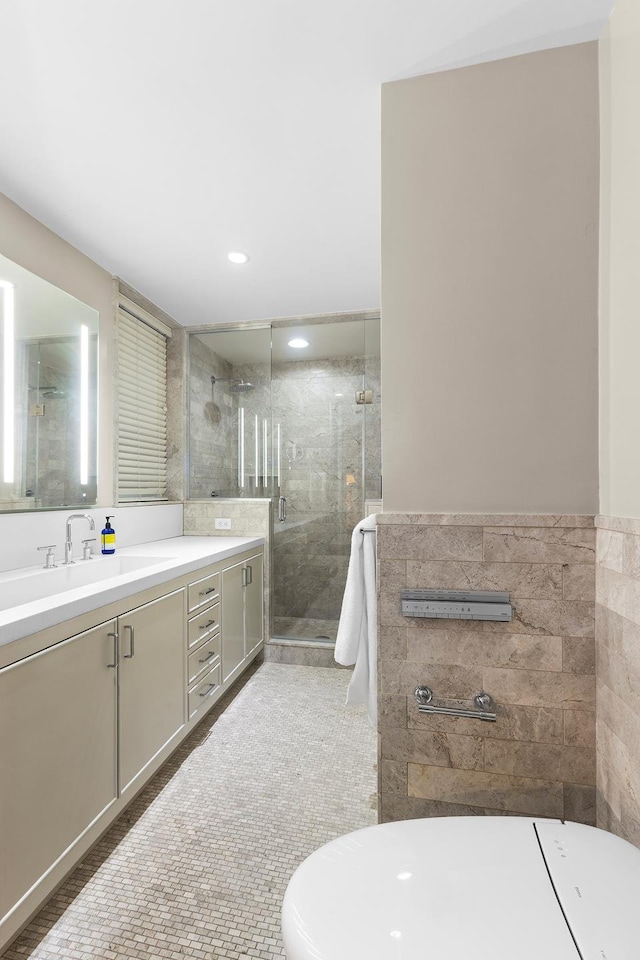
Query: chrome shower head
(239, 385)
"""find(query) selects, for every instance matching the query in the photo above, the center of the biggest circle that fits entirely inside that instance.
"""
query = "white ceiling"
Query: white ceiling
(156, 135)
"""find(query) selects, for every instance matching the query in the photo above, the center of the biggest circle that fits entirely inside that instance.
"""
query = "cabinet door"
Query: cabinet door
(57, 754)
(232, 618)
(152, 683)
(253, 609)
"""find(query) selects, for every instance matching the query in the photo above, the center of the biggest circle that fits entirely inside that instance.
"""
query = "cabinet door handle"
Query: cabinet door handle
(250, 572)
(244, 577)
(132, 649)
(205, 593)
(282, 509)
(115, 649)
(208, 690)
(208, 657)
(203, 626)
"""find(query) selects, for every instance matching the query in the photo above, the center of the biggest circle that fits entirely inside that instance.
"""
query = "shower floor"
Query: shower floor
(305, 628)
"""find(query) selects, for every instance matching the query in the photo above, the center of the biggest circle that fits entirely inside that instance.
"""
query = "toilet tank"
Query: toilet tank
(509, 888)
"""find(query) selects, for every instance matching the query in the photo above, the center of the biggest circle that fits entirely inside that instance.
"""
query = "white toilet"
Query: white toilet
(505, 888)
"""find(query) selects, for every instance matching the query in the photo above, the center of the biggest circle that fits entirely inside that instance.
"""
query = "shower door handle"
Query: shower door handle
(282, 509)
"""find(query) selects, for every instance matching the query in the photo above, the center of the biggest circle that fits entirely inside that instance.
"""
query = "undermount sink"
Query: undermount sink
(25, 587)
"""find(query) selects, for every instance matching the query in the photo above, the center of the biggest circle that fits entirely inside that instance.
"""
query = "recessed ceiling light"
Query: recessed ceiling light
(298, 343)
(237, 256)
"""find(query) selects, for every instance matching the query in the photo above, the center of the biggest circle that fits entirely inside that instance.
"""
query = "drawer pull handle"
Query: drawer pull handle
(208, 656)
(205, 593)
(206, 692)
(203, 626)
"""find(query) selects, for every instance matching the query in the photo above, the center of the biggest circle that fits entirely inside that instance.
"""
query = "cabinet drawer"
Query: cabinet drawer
(205, 623)
(204, 591)
(203, 658)
(203, 690)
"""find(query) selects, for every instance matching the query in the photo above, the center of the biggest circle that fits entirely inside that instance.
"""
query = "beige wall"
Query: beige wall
(489, 286)
(620, 256)
(29, 243)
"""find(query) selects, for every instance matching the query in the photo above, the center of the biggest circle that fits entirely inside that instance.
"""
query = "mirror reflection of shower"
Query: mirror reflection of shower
(56, 427)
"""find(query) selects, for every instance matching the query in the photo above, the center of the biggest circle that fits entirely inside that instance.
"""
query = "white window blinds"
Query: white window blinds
(142, 410)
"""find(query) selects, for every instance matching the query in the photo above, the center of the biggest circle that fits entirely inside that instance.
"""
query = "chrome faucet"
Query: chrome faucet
(68, 546)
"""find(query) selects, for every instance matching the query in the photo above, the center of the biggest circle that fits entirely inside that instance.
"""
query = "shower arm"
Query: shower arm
(243, 385)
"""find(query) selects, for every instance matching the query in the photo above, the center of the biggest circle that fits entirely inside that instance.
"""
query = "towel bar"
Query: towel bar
(483, 700)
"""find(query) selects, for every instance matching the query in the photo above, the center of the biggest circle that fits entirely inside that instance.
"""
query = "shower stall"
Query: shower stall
(298, 426)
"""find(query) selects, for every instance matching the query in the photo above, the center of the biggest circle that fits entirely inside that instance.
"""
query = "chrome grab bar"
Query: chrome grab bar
(482, 700)
(282, 509)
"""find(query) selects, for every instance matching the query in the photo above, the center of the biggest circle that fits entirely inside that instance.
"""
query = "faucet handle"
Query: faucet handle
(86, 550)
(49, 561)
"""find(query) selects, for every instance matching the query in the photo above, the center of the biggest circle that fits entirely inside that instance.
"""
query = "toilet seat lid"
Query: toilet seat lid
(463, 886)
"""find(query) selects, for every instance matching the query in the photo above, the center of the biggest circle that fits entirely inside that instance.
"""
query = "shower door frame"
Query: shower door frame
(246, 326)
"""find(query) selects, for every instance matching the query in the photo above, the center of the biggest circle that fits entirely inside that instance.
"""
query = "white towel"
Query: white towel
(356, 641)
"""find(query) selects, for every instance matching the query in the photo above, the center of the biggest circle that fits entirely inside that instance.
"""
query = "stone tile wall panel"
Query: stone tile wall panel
(539, 757)
(618, 676)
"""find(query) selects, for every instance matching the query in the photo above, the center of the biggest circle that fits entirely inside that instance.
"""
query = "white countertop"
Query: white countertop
(176, 556)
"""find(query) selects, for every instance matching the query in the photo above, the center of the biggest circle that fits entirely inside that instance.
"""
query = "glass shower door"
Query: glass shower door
(324, 445)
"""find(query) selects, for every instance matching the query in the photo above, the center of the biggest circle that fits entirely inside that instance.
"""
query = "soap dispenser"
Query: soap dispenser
(108, 538)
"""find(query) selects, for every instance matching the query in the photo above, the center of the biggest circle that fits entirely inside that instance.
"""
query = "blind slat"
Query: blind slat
(142, 410)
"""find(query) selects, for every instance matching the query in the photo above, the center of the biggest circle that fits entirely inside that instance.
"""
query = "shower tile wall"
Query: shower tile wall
(538, 759)
(213, 446)
(326, 439)
(324, 448)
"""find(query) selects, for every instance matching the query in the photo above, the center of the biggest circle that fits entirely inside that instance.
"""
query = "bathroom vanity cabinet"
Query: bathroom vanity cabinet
(58, 717)
(242, 616)
(90, 708)
(151, 684)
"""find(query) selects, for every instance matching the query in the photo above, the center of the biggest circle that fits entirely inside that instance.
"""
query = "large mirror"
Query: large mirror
(48, 394)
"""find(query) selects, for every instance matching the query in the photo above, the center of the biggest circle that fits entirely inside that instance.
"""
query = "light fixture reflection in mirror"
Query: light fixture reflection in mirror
(8, 376)
(84, 404)
(241, 448)
(278, 455)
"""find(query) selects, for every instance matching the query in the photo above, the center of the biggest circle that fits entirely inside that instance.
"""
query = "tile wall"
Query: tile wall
(618, 676)
(213, 430)
(539, 757)
(330, 464)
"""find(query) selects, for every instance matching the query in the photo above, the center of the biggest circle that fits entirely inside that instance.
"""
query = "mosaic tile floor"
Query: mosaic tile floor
(197, 866)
